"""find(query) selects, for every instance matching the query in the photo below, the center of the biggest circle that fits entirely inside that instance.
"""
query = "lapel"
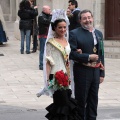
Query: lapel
(100, 43)
(98, 40)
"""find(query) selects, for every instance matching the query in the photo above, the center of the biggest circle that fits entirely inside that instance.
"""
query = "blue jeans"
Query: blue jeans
(42, 45)
(23, 33)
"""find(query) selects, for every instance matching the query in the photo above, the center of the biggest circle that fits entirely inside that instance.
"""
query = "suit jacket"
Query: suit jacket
(81, 38)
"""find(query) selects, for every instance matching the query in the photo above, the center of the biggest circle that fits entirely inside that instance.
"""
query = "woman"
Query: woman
(58, 75)
(3, 37)
(26, 14)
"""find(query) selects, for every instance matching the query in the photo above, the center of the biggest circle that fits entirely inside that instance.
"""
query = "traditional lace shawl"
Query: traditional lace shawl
(56, 14)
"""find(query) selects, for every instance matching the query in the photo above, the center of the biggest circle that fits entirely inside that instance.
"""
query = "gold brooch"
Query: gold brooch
(94, 49)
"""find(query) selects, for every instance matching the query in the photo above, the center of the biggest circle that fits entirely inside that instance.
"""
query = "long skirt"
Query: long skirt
(3, 37)
(63, 107)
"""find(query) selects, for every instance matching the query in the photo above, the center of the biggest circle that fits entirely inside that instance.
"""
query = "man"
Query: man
(73, 18)
(43, 23)
(88, 68)
(34, 28)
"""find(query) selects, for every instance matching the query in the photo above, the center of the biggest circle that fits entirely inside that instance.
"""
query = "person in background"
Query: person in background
(3, 36)
(73, 17)
(68, 12)
(26, 14)
(88, 67)
(34, 31)
(43, 22)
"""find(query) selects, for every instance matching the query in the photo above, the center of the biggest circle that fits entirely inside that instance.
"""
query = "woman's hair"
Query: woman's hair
(55, 23)
(24, 4)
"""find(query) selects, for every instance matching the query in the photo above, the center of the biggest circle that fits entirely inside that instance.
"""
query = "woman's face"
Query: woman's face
(60, 29)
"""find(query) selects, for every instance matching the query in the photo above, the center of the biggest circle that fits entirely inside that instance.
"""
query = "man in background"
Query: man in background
(34, 31)
(73, 17)
(43, 22)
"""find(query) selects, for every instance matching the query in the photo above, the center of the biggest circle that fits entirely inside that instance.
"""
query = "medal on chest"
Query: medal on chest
(94, 49)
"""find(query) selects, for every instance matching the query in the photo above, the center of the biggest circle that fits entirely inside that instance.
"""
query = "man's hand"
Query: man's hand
(101, 79)
(79, 51)
(93, 57)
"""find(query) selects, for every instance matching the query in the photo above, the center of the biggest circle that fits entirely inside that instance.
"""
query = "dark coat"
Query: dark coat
(43, 23)
(82, 39)
(74, 20)
(26, 18)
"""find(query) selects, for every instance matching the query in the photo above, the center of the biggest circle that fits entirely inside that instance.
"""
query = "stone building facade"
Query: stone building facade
(10, 8)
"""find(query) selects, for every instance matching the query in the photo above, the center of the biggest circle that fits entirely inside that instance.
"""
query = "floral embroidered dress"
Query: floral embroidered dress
(63, 107)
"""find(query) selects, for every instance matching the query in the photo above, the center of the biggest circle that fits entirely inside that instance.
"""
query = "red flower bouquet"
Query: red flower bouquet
(60, 81)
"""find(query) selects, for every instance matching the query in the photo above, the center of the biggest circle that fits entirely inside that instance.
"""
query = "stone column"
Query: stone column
(5, 5)
(16, 24)
(12, 10)
(99, 14)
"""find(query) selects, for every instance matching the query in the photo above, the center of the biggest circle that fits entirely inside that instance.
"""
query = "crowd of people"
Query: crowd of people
(71, 55)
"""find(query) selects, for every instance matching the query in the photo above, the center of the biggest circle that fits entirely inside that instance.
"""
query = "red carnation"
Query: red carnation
(62, 79)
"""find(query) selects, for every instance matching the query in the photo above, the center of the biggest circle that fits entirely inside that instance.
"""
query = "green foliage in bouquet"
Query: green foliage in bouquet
(60, 81)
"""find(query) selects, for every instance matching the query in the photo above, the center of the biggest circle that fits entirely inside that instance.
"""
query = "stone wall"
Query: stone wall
(9, 9)
(99, 14)
(5, 5)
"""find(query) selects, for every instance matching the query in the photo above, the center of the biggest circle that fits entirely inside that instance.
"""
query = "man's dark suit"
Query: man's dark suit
(86, 78)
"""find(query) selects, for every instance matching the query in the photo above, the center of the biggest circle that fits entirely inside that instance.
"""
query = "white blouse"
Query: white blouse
(55, 57)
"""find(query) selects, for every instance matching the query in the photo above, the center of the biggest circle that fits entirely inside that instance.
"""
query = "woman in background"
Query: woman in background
(26, 14)
(3, 37)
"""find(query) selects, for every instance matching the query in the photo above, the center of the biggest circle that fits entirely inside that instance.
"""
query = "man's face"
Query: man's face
(48, 10)
(68, 11)
(71, 7)
(86, 20)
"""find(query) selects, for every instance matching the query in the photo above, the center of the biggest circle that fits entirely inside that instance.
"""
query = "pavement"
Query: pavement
(20, 80)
